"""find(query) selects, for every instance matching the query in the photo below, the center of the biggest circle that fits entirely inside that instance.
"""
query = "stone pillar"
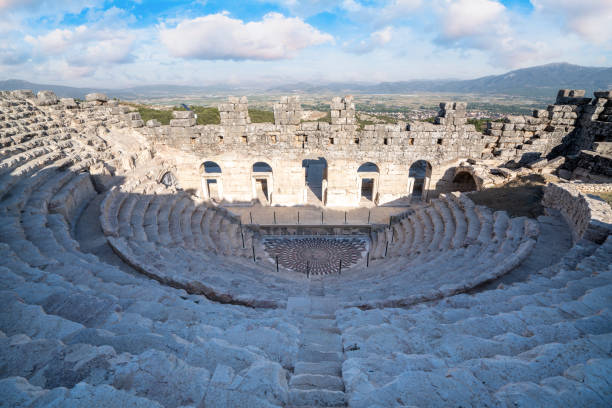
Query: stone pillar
(288, 111)
(452, 113)
(571, 97)
(343, 111)
(235, 112)
(182, 119)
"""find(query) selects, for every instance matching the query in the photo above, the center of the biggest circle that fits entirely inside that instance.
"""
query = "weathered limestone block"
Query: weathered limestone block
(186, 122)
(572, 97)
(68, 102)
(183, 114)
(23, 94)
(96, 97)
(603, 94)
(45, 98)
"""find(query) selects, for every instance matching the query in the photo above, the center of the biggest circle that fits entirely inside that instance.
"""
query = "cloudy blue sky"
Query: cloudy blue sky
(116, 43)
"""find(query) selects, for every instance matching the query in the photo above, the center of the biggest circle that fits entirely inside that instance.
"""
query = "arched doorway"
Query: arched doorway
(168, 179)
(315, 180)
(367, 175)
(464, 182)
(262, 182)
(212, 187)
(419, 176)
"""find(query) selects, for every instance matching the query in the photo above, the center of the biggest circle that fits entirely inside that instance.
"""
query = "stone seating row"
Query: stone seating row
(238, 281)
(114, 336)
(441, 257)
(83, 307)
(542, 341)
(172, 219)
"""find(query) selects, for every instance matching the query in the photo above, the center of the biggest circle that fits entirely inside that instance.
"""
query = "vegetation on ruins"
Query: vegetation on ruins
(206, 115)
(606, 196)
(261, 116)
(481, 124)
(374, 119)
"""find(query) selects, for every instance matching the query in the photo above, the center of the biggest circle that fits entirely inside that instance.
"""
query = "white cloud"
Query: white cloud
(462, 19)
(377, 39)
(6, 4)
(105, 40)
(590, 19)
(220, 37)
(51, 9)
(85, 45)
(380, 12)
(488, 26)
(12, 55)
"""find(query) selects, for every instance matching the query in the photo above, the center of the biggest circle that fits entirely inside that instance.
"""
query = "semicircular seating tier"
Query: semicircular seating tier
(417, 327)
(75, 330)
(448, 247)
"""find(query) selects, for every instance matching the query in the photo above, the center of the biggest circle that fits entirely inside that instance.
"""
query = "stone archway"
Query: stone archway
(168, 179)
(464, 181)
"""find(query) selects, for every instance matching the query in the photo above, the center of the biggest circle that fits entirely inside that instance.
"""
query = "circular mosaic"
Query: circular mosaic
(316, 255)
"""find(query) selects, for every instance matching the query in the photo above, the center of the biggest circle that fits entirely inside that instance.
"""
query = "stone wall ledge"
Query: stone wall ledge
(588, 216)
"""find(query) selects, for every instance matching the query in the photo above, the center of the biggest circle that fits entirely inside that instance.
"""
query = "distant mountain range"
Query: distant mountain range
(540, 82)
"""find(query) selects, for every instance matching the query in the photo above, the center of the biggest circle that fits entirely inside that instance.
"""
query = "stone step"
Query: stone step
(318, 397)
(316, 381)
(314, 356)
(321, 368)
(319, 322)
(324, 348)
(316, 336)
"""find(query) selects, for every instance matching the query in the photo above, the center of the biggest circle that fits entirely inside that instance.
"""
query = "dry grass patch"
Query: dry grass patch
(607, 197)
(519, 197)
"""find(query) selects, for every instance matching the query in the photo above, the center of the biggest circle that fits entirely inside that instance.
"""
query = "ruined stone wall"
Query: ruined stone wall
(573, 122)
(588, 218)
(236, 145)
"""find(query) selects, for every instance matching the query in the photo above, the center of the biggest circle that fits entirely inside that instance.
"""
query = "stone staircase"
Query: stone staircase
(317, 377)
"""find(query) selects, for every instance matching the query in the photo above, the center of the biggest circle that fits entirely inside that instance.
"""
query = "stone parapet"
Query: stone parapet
(235, 112)
(288, 111)
(588, 217)
(343, 111)
(183, 119)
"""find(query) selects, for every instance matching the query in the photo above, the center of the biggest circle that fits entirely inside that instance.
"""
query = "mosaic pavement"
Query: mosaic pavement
(316, 255)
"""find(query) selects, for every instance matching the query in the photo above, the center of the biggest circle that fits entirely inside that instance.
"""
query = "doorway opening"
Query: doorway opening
(262, 189)
(367, 188)
(464, 182)
(213, 189)
(315, 175)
